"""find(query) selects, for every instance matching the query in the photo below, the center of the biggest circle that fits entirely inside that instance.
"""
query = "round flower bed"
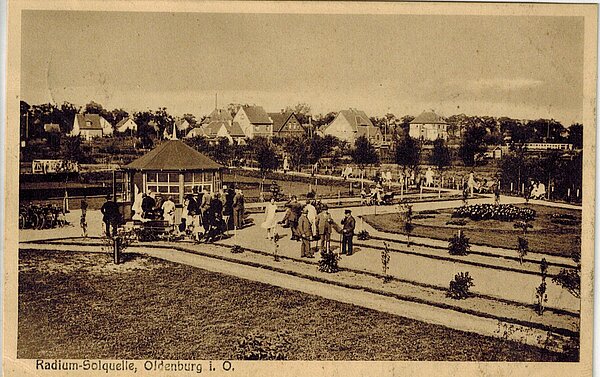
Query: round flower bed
(502, 212)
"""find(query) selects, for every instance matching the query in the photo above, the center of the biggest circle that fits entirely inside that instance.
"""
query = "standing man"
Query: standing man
(148, 204)
(237, 209)
(110, 213)
(347, 232)
(292, 217)
(305, 233)
(324, 225)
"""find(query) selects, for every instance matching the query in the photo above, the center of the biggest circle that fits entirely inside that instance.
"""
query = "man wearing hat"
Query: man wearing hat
(110, 215)
(349, 224)
(324, 226)
(305, 233)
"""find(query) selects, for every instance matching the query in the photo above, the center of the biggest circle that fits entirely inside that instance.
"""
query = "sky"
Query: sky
(519, 66)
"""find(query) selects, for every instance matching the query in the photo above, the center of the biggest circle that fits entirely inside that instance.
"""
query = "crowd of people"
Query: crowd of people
(311, 222)
(205, 216)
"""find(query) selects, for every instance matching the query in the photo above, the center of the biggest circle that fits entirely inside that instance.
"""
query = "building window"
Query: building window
(163, 183)
(198, 180)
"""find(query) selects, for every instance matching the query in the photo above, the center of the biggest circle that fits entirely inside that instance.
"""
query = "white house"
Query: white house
(350, 124)
(89, 126)
(428, 126)
(126, 124)
(254, 121)
(227, 129)
(182, 125)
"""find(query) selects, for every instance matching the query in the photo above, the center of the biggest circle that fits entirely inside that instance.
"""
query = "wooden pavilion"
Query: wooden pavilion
(172, 169)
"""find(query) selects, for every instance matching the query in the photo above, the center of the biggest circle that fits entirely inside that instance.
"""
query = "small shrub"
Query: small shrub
(263, 347)
(522, 248)
(329, 262)
(457, 222)
(420, 217)
(540, 292)
(459, 244)
(569, 279)
(237, 249)
(523, 225)
(566, 216)
(568, 222)
(385, 262)
(459, 287)
(363, 235)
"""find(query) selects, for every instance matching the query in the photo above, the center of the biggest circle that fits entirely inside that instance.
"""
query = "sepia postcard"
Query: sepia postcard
(299, 188)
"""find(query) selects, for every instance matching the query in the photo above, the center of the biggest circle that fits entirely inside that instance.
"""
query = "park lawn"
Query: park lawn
(80, 305)
(546, 237)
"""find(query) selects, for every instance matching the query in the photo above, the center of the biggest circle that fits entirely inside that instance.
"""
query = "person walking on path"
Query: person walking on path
(237, 209)
(305, 233)
(349, 224)
(324, 226)
(270, 218)
(471, 182)
(429, 177)
(110, 214)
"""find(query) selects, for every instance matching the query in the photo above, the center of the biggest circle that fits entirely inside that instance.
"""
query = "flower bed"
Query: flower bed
(502, 212)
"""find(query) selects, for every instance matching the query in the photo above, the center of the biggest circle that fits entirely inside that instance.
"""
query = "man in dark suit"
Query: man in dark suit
(324, 226)
(305, 233)
(110, 215)
(349, 224)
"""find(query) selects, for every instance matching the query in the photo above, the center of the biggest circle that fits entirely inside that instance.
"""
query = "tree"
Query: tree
(71, 149)
(302, 111)
(233, 108)
(191, 119)
(265, 155)
(576, 135)
(408, 154)
(569, 278)
(364, 152)
(317, 148)
(199, 143)
(118, 115)
(94, 108)
(515, 167)
(472, 143)
(69, 111)
(545, 130)
(297, 151)
(440, 158)
(322, 120)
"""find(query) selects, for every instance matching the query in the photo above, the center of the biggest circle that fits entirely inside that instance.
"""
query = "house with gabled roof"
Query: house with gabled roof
(196, 132)
(182, 125)
(89, 126)
(218, 115)
(428, 126)
(126, 124)
(350, 124)
(286, 123)
(230, 130)
(254, 121)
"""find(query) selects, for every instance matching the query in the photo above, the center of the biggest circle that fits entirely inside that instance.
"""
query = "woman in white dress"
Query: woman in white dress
(270, 220)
